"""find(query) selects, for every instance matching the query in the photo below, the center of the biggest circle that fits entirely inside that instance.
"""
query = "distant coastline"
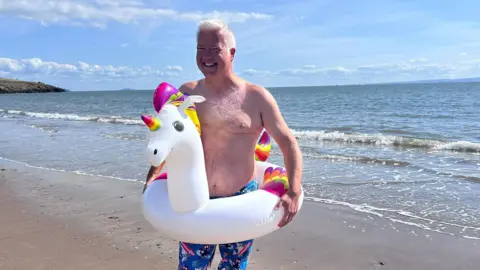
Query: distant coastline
(12, 86)
(461, 80)
(432, 81)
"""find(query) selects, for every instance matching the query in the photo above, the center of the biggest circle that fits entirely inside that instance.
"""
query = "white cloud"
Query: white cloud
(313, 70)
(333, 33)
(299, 72)
(257, 73)
(98, 13)
(36, 66)
(117, 3)
(414, 69)
(87, 75)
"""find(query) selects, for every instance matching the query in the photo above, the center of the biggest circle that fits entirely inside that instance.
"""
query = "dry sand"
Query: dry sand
(62, 220)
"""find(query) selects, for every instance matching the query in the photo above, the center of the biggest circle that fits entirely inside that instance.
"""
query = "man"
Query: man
(232, 118)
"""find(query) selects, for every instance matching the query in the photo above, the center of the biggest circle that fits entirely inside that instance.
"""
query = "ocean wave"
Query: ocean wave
(359, 159)
(75, 117)
(49, 129)
(386, 162)
(317, 135)
(125, 137)
(66, 171)
(386, 140)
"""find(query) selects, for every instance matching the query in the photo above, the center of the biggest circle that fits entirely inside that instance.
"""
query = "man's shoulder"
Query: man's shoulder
(256, 89)
(188, 87)
(261, 93)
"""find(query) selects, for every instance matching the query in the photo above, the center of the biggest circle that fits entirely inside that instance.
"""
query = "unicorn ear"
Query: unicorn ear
(189, 101)
(197, 98)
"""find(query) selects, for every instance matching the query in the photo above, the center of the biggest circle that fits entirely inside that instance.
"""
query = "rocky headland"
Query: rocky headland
(11, 86)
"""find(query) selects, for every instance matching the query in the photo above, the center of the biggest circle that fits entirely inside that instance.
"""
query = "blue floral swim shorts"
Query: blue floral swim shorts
(234, 255)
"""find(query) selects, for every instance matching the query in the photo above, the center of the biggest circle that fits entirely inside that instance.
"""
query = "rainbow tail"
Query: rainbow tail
(263, 147)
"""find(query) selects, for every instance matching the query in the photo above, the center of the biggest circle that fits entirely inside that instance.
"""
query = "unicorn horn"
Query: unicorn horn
(152, 123)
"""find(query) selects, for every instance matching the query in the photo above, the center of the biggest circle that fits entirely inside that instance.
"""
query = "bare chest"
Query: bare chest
(228, 114)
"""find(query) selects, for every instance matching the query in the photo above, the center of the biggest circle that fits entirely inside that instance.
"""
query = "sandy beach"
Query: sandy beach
(62, 220)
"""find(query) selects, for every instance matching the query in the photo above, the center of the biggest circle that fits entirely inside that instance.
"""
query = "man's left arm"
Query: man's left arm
(276, 126)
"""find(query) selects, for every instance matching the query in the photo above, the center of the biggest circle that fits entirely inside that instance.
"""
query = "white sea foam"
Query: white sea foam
(75, 117)
(62, 170)
(317, 135)
(408, 218)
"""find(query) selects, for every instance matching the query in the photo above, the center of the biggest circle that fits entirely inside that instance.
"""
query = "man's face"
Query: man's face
(213, 56)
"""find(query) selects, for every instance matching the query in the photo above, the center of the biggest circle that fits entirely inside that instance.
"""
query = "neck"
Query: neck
(221, 81)
(187, 178)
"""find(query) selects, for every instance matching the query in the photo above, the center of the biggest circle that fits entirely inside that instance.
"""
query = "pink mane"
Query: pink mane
(164, 94)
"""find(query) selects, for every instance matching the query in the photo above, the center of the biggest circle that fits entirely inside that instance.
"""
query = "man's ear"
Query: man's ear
(232, 53)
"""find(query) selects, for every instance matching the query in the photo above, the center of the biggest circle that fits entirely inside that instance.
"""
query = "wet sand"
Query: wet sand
(62, 220)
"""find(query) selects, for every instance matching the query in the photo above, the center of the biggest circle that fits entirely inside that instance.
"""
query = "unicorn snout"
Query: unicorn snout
(156, 155)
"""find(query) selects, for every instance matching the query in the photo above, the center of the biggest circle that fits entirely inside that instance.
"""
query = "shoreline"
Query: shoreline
(98, 221)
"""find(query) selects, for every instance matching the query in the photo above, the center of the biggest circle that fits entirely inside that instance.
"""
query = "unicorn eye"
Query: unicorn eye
(178, 126)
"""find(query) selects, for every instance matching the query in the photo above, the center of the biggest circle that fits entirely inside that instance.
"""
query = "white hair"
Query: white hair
(218, 25)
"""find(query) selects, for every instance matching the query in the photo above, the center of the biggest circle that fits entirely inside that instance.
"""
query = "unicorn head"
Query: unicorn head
(175, 141)
(176, 124)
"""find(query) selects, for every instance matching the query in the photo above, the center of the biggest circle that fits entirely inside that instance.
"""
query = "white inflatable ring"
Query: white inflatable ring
(179, 205)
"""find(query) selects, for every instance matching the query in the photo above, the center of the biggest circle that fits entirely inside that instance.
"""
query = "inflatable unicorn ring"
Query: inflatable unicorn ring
(179, 205)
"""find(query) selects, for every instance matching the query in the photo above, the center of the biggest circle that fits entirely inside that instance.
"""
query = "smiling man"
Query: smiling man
(232, 118)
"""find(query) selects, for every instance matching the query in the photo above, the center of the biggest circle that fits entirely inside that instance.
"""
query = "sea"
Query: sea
(409, 153)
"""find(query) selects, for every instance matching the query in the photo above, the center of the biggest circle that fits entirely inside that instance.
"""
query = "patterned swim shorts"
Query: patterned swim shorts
(234, 255)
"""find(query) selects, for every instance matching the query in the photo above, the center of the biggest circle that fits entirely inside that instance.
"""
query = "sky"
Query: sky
(114, 44)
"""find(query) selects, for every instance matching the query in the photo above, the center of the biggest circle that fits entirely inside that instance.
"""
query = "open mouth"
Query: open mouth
(210, 65)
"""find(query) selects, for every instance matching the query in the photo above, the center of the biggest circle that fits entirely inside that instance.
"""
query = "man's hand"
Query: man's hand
(289, 201)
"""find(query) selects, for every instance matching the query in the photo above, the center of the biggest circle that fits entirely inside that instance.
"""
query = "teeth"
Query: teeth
(209, 64)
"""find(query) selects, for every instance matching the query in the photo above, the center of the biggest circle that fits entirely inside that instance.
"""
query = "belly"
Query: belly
(229, 166)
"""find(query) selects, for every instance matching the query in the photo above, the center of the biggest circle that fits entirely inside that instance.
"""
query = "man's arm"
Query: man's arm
(276, 126)
(274, 123)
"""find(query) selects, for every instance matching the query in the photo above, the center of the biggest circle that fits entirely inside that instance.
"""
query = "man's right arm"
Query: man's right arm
(155, 171)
